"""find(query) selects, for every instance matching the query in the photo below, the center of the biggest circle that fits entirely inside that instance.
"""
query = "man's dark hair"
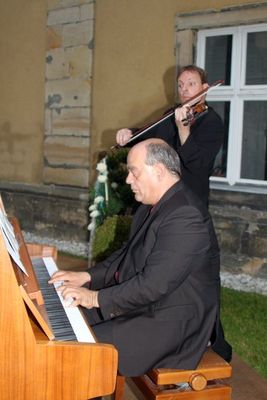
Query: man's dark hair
(164, 154)
(193, 68)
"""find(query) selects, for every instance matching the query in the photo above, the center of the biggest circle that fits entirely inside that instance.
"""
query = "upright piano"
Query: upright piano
(37, 362)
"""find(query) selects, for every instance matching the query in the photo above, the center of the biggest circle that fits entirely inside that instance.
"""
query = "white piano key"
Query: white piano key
(74, 315)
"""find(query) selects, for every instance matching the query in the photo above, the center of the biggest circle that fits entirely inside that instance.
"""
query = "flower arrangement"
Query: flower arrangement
(101, 196)
(111, 204)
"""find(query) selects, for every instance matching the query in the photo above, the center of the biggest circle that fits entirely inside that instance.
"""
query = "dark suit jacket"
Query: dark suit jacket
(163, 308)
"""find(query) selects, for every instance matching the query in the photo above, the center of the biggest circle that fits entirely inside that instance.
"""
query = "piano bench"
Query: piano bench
(206, 382)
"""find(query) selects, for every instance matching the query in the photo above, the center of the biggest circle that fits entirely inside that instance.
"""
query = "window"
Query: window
(238, 55)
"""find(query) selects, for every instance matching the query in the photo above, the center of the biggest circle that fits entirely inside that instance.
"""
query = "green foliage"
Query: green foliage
(112, 203)
(120, 199)
(110, 236)
(116, 163)
(244, 317)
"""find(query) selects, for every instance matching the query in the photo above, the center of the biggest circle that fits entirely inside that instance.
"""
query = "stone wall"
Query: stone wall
(52, 212)
(240, 221)
(70, 25)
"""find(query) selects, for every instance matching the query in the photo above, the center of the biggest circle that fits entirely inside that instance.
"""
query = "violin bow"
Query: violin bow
(192, 101)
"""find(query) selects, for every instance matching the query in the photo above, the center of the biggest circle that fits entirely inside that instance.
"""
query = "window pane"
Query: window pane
(218, 58)
(256, 69)
(254, 151)
(223, 109)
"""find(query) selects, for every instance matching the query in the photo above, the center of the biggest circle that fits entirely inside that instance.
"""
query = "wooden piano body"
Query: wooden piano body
(32, 367)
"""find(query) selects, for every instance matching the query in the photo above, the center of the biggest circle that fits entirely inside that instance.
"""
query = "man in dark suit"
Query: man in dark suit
(157, 298)
(196, 141)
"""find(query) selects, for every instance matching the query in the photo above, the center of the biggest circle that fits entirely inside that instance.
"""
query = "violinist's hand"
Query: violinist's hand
(79, 296)
(181, 114)
(123, 135)
(71, 277)
(180, 118)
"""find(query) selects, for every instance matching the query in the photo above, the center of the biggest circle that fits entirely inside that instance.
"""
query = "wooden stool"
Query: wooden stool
(205, 382)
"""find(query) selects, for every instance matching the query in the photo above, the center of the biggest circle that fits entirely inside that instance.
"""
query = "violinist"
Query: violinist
(196, 138)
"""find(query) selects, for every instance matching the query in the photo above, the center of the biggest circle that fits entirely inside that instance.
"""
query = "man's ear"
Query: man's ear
(205, 85)
(160, 170)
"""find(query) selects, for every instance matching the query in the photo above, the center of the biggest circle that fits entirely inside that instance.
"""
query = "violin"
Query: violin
(195, 111)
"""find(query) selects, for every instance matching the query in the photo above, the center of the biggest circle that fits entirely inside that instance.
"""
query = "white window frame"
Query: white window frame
(187, 26)
(236, 93)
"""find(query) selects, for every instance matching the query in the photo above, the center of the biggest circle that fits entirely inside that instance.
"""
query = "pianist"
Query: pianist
(157, 298)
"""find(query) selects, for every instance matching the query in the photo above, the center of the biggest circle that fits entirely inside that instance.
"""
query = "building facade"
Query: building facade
(75, 71)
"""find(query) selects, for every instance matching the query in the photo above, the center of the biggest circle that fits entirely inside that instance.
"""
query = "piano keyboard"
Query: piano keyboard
(67, 322)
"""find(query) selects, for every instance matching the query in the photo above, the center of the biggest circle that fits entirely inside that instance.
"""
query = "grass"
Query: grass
(244, 317)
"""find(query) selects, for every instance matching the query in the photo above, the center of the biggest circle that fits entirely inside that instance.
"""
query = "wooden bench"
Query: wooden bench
(206, 382)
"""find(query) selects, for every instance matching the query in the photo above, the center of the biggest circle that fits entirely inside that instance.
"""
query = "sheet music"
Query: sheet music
(10, 238)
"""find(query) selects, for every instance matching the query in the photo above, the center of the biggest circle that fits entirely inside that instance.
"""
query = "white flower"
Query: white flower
(98, 199)
(92, 207)
(94, 214)
(101, 167)
(102, 178)
(91, 226)
(114, 185)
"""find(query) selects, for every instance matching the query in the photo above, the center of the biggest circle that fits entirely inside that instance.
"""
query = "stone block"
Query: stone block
(57, 67)
(87, 11)
(68, 93)
(252, 266)
(53, 4)
(56, 4)
(71, 121)
(63, 16)
(71, 177)
(229, 231)
(183, 49)
(73, 62)
(48, 121)
(66, 151)
(78, 34)
(53, 37)
(255, 243)
(79, 61)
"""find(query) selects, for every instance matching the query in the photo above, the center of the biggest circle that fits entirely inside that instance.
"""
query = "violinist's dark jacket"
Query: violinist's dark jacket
(198, 153)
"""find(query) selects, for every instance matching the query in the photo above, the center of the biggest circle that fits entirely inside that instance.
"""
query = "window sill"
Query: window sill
(238, 187)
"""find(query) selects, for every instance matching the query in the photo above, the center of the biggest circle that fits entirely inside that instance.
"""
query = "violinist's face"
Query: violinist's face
(189, 84)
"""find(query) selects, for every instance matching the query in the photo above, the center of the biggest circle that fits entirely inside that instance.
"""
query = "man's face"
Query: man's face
(142, 177)
(189, 84)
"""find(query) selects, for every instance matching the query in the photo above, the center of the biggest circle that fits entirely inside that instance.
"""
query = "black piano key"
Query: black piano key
(58, 319)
